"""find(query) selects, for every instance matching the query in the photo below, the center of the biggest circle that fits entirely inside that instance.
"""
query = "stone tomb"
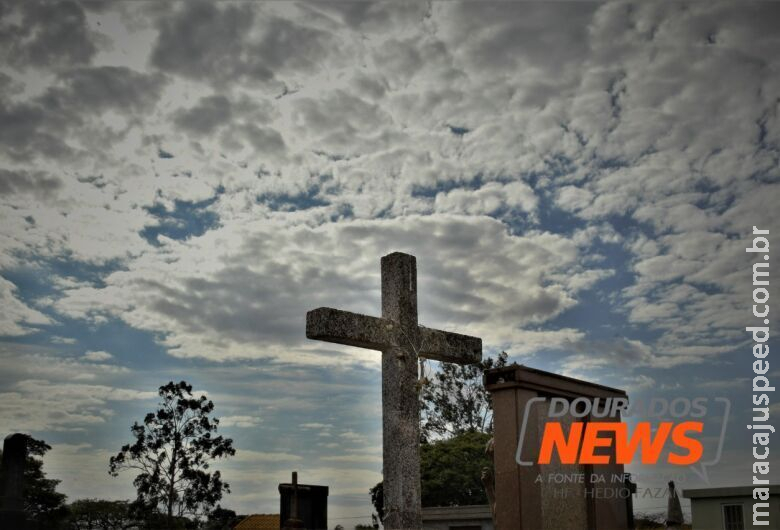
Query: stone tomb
(526, 496)
(304, 505)
(12, 488)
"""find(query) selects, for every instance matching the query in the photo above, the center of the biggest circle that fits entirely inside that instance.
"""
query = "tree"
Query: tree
(173, 450)
(98, 514)
(43, 504)
(378, 500)
(454, 401)
(222, 519)
(148, 518)
(451, 470)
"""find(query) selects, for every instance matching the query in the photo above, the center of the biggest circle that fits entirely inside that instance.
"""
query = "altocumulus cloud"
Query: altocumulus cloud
(363, 145)
(255, 293)
(611, 164)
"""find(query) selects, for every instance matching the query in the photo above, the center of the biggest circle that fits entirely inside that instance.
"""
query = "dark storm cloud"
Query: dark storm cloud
(6, 82)
(215, 44)
(287, 45)
(232, 304)
(36, 183)
(377, 17)
(27, 130)
(340, 119)
(49, 34)
(263, 139)
(43, 126)
(95, 90)
(500, 36)
(206, 116)
(203, 39)
(243, 304)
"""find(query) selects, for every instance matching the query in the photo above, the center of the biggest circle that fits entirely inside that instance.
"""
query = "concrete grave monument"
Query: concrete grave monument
(554, 496)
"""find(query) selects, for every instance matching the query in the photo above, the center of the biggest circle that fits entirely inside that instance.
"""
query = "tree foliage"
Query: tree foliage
(43, 504)
(172, 452)
(454, 400)
(451, 470)
(377, 494)
(99, 514)
(222, 519)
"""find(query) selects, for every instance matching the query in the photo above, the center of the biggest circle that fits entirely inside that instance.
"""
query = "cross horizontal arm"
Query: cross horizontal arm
(352, 329)
(294, 487)
(449, 347)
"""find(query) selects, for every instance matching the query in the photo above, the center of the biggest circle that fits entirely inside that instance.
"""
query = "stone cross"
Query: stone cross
(401, 340)
(12, 500)
(294, 521)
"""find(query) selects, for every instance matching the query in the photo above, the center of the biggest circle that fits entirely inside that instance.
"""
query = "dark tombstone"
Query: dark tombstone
(12, 506)
(522, 502)
(303, 506)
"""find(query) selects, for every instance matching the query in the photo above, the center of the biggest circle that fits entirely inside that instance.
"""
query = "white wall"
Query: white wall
(708, 513)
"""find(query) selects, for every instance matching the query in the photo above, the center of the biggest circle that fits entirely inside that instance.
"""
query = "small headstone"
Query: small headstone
(12, 489)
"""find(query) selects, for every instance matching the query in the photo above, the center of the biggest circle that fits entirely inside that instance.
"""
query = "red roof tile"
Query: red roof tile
(259, 521)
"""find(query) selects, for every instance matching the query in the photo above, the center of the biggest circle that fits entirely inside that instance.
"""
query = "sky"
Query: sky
(181, 182)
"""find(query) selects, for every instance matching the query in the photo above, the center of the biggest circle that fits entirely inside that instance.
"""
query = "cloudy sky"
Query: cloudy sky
(181, 182)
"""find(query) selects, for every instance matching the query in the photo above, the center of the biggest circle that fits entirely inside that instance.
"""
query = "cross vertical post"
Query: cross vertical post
(400, 401)
(294, 509)
(293, 521)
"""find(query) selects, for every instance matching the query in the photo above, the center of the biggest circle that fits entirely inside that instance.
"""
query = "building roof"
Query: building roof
(516, 375)
(259, 521)
(728, 491)
(477, 512)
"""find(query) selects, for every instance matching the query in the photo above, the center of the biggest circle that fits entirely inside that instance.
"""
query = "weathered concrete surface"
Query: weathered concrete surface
(400, 401)
(342, 327)
(401, 340)
(449, 347)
